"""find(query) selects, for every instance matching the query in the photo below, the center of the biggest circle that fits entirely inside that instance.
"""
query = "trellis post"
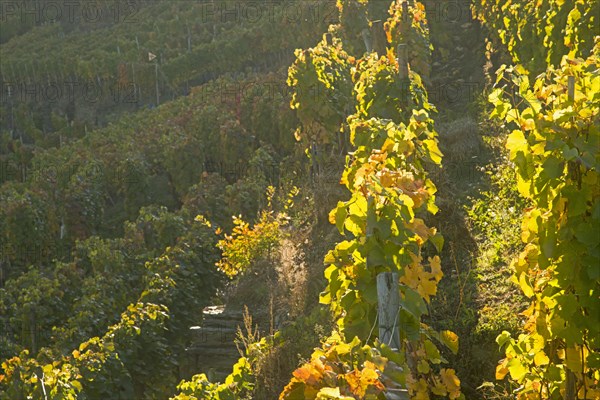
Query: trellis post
(402, 53)
(388, 298)
(571, 87)
(388, 302)
(366, 35)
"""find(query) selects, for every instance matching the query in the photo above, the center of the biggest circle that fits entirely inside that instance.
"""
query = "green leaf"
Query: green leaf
(503, 338)
(391, 355)
(376, 255)
(409, 325)
(593, 271)
(552, 168)
(438, 241)
(412, 302)
(588, 234)
(569, 153)
(433, 354)
(572, 335)
(593, 361)
(577, 200)
(370, 294)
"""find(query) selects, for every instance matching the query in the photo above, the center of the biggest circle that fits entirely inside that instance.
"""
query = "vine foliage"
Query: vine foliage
(392, 135)
(539, 33)
(554, 147)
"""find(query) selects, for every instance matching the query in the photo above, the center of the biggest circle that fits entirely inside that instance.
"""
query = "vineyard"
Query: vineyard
(335, 199)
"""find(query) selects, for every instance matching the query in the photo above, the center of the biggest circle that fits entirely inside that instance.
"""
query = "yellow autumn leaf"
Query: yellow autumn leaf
(540, 358)
(410, 277)
(415, 258)
(370, 378)
(353, 380)
(524, 187)
(418, 226)
(331, 216)
(406, 200)
(527, 124)
(438, 387)
(538, 148)
(525, 286)
(388, 145)
(421, 390)
(427, 288)
(361, 173)
(436, 267)
(344, 178)
(588, 393)
(538, 342)
(423, 367)
(434, 152)
(378, 157)
(529, 226)
(386, 178)
(450, 339)
(421, 396)
(449, 379)
(332, 393)
(308, 374)
(368, 365)
(516, 142)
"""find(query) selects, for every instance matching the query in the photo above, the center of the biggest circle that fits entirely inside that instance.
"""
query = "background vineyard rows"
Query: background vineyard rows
(114, 196)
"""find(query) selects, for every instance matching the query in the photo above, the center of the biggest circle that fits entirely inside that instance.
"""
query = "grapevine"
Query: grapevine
(555, 151)
(393, 138)
(554, 146)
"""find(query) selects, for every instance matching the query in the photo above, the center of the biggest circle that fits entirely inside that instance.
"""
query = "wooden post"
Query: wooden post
(378, 38)
(406, 20)
(403, 79)
(32, 332)
(402, 53)
(12, 74)
(388, 298)
(156, 80)
(571, 87)
(366, 35)
(189, 38)
(134, 84)
(33, 72)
